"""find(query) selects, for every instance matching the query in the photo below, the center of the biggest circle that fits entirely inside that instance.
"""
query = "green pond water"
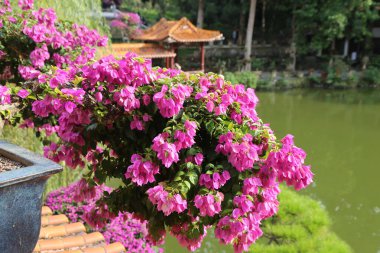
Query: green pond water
(340, 131)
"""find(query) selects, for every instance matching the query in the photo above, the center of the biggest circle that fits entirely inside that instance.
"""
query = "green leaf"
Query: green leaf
(187, 183)
(177, 179)
(189, 165)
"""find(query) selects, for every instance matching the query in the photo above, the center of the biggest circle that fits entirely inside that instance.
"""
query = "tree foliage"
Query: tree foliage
(85, 12)
(317, 22)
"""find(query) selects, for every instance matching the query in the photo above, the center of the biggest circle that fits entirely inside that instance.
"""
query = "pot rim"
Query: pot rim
(35, 165)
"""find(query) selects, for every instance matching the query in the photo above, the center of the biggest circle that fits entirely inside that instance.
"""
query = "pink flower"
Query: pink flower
(185, 139)
(119, 24)
(70, 106)
(243, 204)
(242, 232)
(209, 204)
(60, 77)
(165, 202)
(136, 123)
(267, 206)
(49, 129)
(134, 18)
(23, 93)
(251, 186)
(198, 158)
(214, 181)
(141, 172)
(172, 105)
(5, 97)
(75, 94)
(39, 56)
(227, 229)
(98, 97)
(83, 191)
(210, 106)
(2, 53)
(26, 4)
(166, 152)
(181, 231)
(12, 19)
(241, 155)
(28, 73)
(146, 117)
(288, 163)
(146, 99)
(127, 99)
(98, 216)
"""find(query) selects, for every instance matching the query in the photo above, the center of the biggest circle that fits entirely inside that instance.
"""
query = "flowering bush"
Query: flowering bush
(33, 40)
(190, 150)
(77, 204)
(128, 23)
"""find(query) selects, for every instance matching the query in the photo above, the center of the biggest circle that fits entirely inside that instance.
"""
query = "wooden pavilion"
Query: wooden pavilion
(145, 50)
(172, 34)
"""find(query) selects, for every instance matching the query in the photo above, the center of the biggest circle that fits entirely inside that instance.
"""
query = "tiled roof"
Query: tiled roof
(57, 235)
(178, 31)
(146, 50)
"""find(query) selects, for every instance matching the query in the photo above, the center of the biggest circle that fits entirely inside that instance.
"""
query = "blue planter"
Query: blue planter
(21, 198)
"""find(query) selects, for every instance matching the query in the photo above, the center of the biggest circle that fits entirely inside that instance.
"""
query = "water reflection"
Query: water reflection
(354, 96)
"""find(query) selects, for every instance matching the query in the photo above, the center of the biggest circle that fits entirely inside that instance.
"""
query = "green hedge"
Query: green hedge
(301, 225)
(247, 78)
(332, 78)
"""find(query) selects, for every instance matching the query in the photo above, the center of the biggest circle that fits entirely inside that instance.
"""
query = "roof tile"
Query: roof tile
(69, 242)
(46, 211)
(63, 230)
(70, 237)
(146, 50)
(112, 248)
(50, 220)
(178, 31)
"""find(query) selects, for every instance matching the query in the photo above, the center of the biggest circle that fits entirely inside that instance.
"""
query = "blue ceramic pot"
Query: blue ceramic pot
(21, 198)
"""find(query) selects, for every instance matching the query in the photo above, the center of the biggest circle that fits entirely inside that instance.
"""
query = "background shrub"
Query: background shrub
(371, 77)
(245, 77)
(301, 225)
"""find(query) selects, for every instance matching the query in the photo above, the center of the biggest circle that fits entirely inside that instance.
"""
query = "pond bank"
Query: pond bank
(283, 80)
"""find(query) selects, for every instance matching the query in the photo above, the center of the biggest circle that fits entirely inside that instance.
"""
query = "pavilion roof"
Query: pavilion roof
(178, 31)
(146, 50)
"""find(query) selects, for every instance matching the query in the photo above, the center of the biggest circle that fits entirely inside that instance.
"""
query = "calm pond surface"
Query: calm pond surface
(340, 131)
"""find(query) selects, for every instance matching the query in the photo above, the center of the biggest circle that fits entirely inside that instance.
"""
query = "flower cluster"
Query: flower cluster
(242, 155)
(215, 180)
(78, 201)
(129, 23)
(170, 103)
(185, 139)
(209, 205)
(165, 202)
(189, 149)
(141, 172)
(181, 232)
(289, 164)
(166, 152)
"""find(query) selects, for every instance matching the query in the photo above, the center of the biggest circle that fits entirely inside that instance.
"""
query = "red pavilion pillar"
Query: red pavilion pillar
(202, 54)
(174, 49)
